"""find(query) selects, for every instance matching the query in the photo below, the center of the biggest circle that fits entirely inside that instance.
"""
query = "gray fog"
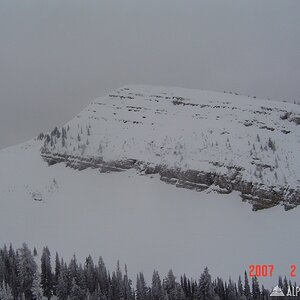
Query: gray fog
(56, 56)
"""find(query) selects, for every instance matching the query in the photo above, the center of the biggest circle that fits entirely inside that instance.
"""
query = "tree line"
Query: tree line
(26, 275)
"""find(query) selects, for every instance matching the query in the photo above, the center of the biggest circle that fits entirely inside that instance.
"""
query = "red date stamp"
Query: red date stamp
(268, 270)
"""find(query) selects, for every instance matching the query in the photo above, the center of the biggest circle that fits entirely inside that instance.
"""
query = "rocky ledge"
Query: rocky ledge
(259, 195)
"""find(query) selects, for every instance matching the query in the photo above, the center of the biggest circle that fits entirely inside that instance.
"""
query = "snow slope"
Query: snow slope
(159, 134)
(139, 220)
(235, 142)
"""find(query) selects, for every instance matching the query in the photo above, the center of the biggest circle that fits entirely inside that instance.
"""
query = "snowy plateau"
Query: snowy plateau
(161, 178)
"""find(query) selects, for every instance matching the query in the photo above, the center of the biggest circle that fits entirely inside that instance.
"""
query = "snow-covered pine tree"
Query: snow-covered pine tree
(46, 273)
(56, 272)
(264, 293)
(128, 293)
(62, 288)
(231, 291)
(220, 289)
(240, 287)
(280, 282)
(36, 289)
(119, 281)
(247, 291)
(102, 276)
(80, 278)
(2, 269)
(141, 288)
(285, 287)
(170, 285)
(205, 287)
(5, 292)
(73, 268)
(116, 286)
(179, 293)
(26, 270)
(157, 292)
(13, 279)
(77, 293)
(255, 288)
(90, 275)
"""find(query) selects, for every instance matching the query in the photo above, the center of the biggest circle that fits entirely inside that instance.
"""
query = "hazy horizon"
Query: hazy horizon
(57, 56)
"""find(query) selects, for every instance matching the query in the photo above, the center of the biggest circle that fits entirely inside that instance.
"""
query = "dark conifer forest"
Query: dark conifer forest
(27, 274)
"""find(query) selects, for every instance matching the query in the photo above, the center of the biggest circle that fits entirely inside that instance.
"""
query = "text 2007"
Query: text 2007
(261, 270)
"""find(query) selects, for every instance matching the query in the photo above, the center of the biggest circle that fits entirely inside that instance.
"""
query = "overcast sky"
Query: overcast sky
(56, 56)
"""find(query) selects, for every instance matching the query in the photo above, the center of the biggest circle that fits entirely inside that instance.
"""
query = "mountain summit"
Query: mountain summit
(193, 139)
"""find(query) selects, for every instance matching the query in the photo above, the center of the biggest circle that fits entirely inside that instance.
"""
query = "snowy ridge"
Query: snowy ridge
(193, 139)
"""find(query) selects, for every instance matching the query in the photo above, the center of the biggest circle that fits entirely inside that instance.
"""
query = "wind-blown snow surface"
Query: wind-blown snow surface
(139, 220)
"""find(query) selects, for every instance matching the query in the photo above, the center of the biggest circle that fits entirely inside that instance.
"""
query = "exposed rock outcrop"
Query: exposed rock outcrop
(259, 195)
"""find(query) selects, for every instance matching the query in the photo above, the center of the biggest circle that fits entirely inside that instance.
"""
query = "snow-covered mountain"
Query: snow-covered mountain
(192, 139)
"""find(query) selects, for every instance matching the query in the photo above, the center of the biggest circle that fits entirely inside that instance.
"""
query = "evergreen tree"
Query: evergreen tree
(90, 275)
(141, 288)
(128, 293)
(285, 285)
(220, 289)
(102, 277)
(117, 288)
(231, 291)
(194, 288)
(255, 288)
(247, 291)
(26, 270)
(280, 283)
(63, 141)
(205, 287)
(183, 282)
(77, 293)
(2, 267)
(13, 279)
(170, 285)
(62, 288)
(56, 272)
(80, 279)
(63, 137)
(21, 281)
(114, 288)
(46, 275)
(179, 293)
(157, 292)
(37, 292)
(264, 293)
(5, 292)
(72, 269)
(55, 132)
(64, 133)
(47, 139)
(240, 287)
(271, 144)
